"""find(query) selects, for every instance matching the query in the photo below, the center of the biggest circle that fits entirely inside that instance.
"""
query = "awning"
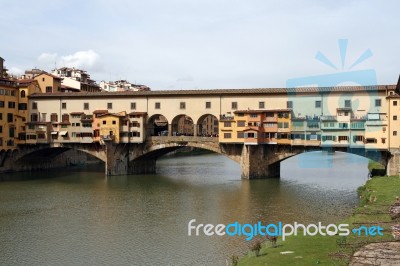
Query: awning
(63, 133)
(54, 132)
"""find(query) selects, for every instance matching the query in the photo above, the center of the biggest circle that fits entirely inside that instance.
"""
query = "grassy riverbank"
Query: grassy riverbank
(376, 196)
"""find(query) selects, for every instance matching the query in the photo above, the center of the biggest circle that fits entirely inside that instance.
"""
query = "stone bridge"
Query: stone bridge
(256, 161)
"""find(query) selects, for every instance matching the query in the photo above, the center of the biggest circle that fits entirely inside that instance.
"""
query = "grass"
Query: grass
(376, 196)
(375, 165)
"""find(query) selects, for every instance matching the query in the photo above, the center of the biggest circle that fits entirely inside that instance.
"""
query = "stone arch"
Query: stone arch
(157, 125)
(182, 125)
(207, 125)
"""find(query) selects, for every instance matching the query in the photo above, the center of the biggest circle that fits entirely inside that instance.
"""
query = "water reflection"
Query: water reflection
(80, 217)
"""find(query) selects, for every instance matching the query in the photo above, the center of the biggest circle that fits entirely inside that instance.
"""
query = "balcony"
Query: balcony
(329, 118)
(270, 119)
(226, 118)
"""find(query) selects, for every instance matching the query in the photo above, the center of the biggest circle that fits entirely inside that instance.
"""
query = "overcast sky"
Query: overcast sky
(201, 44)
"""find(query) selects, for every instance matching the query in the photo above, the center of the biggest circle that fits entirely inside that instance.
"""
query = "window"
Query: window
(269, 125)
(11, 104)
(43, 79)
(182, 105)
(394, 103)
(253, 115)
(227, 135)
(34, 117)
(44, 117)
(240, 135)
(261, 105)
(34, 105)
(23, 94)
(241, 123)
(109, 105)
(394, 133)
(22, 106)
(227, 124)
(53, 117)
(343, 125)
(85, 106)
(1, 116)
(358, 138)
(133, 106)
(1, 103)
(317, 104)
(49, 89)
(286, 125)
(347, 104)
(65, 118)
(343, 138)
(10, 118)
(11, 132)
(234, 105)
(208, 105)
(289, 104)
(378, 102)
(63, 105)
(1, 129)
(157, 105)
(395, 117)
(383, 140)
(114, 122)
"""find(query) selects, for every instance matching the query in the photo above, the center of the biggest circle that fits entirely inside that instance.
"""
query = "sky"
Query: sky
(202, 44)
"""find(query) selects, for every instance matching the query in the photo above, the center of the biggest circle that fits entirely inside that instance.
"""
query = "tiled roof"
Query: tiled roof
(137, 113)
(100, 111)
(288, 91)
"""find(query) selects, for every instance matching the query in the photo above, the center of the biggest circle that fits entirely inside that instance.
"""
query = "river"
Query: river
(76, 216)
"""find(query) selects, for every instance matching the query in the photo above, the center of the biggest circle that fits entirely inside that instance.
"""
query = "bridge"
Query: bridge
(257, 128)
(256, 161)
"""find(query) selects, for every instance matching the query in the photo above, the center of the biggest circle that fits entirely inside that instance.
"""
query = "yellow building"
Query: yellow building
(110, 126)
(49, 83)
(8, 113)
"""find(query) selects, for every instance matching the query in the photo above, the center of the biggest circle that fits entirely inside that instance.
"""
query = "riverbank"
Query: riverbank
(376, 197)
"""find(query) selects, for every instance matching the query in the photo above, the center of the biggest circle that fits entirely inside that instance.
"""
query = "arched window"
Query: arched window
(22, 94)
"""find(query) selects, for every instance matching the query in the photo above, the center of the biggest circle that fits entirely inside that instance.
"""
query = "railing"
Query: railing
(329, 117)
(182, 138)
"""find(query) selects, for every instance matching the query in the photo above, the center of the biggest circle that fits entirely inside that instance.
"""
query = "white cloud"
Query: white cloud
(82, 59)
(15, 71)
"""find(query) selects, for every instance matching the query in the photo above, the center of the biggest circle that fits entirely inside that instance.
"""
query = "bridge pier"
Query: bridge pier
(393, 162)
(258, 161)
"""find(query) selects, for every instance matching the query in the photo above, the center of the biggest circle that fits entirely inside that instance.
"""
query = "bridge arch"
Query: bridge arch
(207, 125)
(182, 125)
(157, 125)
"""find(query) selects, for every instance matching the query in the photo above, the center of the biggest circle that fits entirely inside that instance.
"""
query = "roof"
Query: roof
(137, 113)
(100, 111)
(217, 92)
(77, 113)
(111, 114)
(48, 74)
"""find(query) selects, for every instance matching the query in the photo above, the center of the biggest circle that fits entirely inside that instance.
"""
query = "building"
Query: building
(76, 78)
(122, 85)
(48, 83)
(3, 70)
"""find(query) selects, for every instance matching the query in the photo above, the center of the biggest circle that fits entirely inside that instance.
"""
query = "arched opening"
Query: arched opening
(157, 125)
(207, 126)
(23, 94)
(182, 125)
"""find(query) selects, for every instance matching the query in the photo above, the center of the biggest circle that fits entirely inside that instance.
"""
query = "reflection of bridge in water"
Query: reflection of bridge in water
(256, 161)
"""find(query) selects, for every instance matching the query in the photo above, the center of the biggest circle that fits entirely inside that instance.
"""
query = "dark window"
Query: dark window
(53, 117)
(182, 105)
(261, 105)
(85, 106)
(395, 117)
(1, 116)
(240, 135)
(11, 104)
(133, 106)
(23, 94)
(234, 105)
(34, 117)
(64, 105)
(289, 104)
(114, 122)
(109, 105)
(241, 123)
(49, 89)
(227, 124)
(104, 122)
(394, 103)
(10, 118)
(394, 133)
(378, 102)
(227, 135)
(34, 105)
(22, 106)
(347, 104)
(157, 105)
(1, 103)
(65, 118)
(208, 105)
(317, 104)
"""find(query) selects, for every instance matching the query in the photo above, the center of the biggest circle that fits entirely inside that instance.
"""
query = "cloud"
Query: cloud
(82, 59)
(15, 71)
